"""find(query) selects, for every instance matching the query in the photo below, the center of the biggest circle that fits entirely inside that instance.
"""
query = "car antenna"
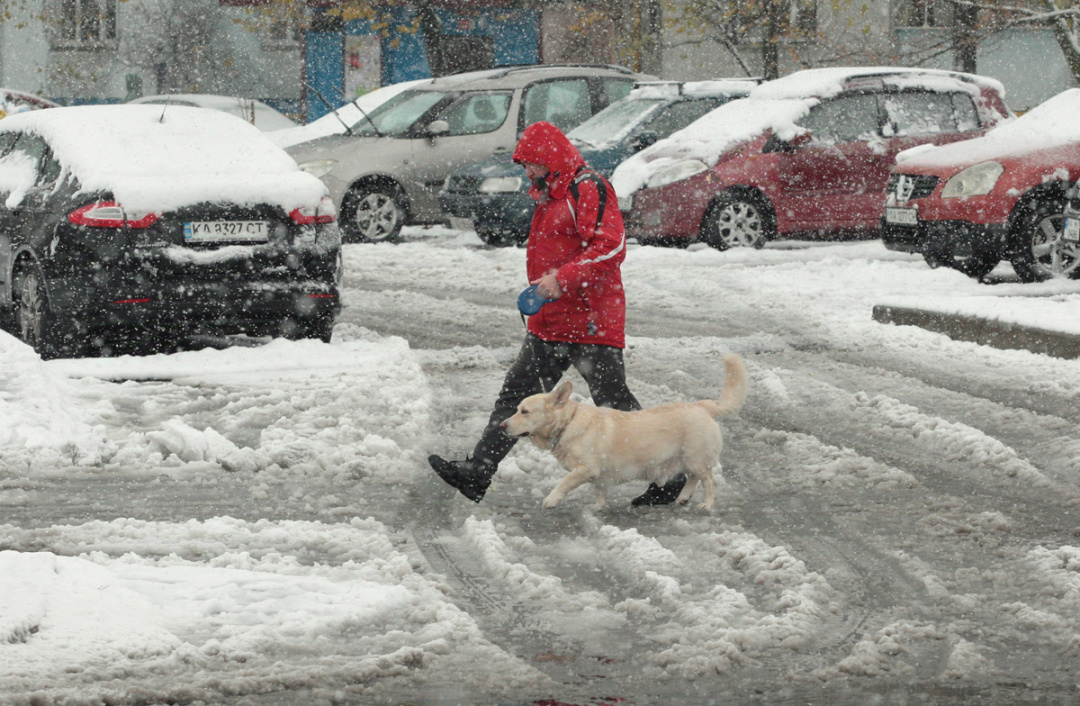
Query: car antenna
(348, 128)
(168, 102)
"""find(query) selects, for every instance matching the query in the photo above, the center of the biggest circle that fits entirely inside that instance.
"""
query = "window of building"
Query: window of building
(802, 18)
(84, 24)
(283, 29)
(924, 13)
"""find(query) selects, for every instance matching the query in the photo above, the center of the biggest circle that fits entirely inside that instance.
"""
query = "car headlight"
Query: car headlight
(319, 167)
(675, 172)
(973, 181)
(499, 185)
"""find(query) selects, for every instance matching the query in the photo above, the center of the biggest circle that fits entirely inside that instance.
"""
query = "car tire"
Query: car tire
(321, 328)
(35, 323)
(738, 220)
(372, 214)
(496, 238)
(1038, 252)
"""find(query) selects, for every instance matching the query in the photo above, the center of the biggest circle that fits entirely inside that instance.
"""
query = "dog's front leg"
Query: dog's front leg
(572, 480)
(601, 496)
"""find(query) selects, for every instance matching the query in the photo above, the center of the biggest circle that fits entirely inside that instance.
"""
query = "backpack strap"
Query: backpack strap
(601, 189)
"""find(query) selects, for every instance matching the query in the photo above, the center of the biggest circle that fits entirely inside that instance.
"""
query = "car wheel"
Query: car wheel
(296, 329)
(34, 322)
(737, 220)
(321, 328)
(372, 214)
(496, 238)
(1039, 250)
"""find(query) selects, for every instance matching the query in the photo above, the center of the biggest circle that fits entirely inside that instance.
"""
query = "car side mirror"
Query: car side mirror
(645, 139)
(438, 127)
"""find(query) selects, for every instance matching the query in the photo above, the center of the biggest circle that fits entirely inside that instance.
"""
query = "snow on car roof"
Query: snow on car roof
(668, 89)
(1047, 125)
(712, 135)
(154, 157)
(828, 82)
(774, 105)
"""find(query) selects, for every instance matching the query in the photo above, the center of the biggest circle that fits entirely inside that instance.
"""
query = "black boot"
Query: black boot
(470, 478)
(655, 495)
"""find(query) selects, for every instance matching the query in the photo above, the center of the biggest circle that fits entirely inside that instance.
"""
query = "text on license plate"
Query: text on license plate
(1072, 229)
(902, 216)
(217, 231)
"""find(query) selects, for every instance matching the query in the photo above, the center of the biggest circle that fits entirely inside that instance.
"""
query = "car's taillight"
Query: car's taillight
(109, 214)
(323, 213)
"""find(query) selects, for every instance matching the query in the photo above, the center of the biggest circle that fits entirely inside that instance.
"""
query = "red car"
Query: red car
(805, 155)
(999, 197)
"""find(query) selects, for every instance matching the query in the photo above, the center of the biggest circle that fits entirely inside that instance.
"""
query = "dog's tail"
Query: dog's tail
(734, 394)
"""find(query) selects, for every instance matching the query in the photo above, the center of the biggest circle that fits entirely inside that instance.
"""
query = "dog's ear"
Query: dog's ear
(562, 392)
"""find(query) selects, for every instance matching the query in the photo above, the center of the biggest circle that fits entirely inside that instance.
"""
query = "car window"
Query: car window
(614, 122)
(565, 104)
(922, 113)
(397, 115)
(18, 168)
(967, 115)
(616, 89)
(679, 115)
(844, 119)
(477, 113)
(7, 139)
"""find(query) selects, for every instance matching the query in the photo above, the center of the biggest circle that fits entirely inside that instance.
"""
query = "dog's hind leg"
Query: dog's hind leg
(708, 484)
(572, 480)
(688, 491)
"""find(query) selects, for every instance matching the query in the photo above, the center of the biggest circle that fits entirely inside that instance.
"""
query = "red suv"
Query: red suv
(804, 155)
(999, 197)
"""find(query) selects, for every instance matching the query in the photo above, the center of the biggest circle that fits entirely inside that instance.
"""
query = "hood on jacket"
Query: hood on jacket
(544, 144)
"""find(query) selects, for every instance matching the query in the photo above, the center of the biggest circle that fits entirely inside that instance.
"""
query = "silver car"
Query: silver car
(386, 170)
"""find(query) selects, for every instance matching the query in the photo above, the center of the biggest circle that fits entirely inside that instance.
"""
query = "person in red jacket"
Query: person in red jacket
(574, 255)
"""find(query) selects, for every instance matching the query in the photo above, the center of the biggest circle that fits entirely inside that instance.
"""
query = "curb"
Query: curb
(987, 332)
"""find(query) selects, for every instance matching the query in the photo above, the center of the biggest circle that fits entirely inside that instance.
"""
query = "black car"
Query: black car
(132, 226)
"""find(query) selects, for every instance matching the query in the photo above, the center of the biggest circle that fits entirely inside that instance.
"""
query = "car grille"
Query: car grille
(462, 183)
(907, 187)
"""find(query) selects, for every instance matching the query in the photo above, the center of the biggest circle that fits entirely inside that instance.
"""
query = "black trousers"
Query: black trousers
(538, 367)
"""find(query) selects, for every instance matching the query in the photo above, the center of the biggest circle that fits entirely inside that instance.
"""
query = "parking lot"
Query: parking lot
(897, 519)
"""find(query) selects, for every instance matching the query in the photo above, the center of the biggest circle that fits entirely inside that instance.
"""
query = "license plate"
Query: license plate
(902, 216)
(1072, 229)
(233, 231)
(461, 223)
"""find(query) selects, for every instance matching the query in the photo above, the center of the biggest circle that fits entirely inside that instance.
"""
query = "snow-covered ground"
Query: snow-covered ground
(897, 522)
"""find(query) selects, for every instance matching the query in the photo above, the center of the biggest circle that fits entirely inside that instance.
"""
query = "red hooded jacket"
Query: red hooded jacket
(577, 231)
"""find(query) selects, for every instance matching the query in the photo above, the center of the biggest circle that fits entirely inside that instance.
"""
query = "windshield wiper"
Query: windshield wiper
(348, 128)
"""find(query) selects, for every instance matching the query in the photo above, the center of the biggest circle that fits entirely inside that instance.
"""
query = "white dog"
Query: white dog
(603, 446)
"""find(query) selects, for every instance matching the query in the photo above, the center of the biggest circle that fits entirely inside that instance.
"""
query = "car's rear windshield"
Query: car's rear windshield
(397, 115)
(612, 123)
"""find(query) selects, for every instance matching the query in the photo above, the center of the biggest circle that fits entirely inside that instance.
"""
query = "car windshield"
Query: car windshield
(614, 122)
(397, 115)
